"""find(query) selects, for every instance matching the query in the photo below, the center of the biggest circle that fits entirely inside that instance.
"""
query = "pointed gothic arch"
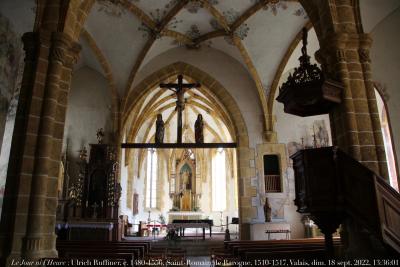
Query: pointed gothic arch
(240, 132)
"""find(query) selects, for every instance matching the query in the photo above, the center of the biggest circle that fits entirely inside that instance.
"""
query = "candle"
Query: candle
(87, 203)
(102, 203)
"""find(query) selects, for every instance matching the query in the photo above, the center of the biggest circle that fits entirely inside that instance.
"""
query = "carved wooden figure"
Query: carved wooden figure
(198, 129)
(159, 130)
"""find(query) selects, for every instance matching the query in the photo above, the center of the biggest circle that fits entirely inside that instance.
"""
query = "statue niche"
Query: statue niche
(185, 175)
(185, 197)
(185, 180)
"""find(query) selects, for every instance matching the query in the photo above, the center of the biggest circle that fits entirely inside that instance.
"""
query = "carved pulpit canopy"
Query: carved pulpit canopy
(306, 92)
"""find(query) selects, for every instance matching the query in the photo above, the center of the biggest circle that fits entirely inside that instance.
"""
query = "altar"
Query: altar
(185, 215)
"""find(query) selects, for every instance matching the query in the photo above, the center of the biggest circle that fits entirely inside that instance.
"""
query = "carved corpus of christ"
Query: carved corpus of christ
(180, 89)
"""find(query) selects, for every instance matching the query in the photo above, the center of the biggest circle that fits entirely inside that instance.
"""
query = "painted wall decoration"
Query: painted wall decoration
(315, 136)
(11, 67)
(10, 54)
(277, 208)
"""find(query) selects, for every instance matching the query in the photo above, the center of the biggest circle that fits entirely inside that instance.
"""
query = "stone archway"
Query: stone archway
(244, 152)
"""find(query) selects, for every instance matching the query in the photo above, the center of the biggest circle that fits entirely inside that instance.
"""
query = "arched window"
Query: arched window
(151, 181)
(387, 139)
(219, 181)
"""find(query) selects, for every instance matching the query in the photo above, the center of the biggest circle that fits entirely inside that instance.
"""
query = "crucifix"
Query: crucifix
(180, 89)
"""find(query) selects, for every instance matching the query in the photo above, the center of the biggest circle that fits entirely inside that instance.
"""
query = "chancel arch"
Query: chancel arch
(223, 123)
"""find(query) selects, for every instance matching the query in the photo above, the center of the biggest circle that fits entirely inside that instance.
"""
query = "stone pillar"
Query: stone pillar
(17, 185)
(39, 240)
(31, 188)
(355, 123)
(373, 107)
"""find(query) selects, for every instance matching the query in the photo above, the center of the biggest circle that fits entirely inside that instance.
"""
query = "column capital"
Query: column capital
(31, 44)
(345, 41)
(73, 55)
(61, 44)
(338, 48)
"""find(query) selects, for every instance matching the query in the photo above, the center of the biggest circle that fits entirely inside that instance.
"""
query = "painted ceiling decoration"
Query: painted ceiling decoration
(150, 32)
(234, 27)
(273, 6)
(193, 33)
(111, 7)
(231, 16)
(193, 6)
(301, 12)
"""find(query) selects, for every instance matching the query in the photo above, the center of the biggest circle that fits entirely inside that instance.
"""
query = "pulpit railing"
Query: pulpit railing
(371, 200)
(331, 185)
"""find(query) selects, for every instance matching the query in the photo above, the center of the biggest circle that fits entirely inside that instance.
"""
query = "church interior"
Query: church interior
(199, 132)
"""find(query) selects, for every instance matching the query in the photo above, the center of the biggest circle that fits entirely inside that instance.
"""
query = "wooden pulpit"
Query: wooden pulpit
(331, 186)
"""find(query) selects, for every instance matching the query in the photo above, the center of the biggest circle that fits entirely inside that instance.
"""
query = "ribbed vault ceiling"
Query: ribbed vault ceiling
(256, 33)
(121, 36)
(141, 126)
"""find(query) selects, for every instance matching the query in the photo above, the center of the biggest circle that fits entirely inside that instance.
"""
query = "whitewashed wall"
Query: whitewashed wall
(385, 58)
(89, 108)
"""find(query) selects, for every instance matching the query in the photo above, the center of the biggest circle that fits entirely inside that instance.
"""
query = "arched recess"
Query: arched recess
(152, 81)
(387, 134)
(240, 132)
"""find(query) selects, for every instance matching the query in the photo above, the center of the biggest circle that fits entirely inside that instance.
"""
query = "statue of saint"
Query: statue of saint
(186, 180)
(159, 130)
(267, 210)
(198, 129)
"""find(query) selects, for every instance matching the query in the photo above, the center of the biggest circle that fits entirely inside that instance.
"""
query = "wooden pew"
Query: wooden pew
(145, 244)
(126, 251)
(244, 250)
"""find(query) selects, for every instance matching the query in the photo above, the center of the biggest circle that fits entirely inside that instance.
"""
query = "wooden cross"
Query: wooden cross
(180, 89)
